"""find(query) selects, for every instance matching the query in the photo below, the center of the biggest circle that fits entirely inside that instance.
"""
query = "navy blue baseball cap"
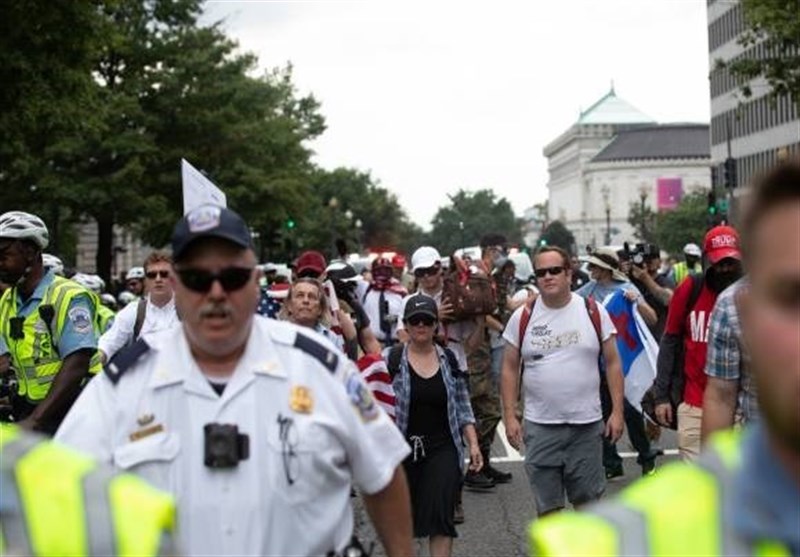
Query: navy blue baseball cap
(420, 304)
(209, 221)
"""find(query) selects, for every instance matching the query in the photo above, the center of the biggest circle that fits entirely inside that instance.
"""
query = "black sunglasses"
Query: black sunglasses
(426, 272)
(424, 320)
(555, 271)
(153, 274)
(200, 280)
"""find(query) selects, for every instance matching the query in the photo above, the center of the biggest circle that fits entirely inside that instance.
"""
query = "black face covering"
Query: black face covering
(719, 281)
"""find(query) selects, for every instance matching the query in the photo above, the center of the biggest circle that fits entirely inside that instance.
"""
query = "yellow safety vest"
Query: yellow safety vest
(59, 502)
(35, 356)
(681, 270)
(676, 512)
(105, 316)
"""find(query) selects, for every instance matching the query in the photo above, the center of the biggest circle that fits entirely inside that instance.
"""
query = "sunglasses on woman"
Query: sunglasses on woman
(426, 272)
(201, 280)
(424, 320)
(553, 271)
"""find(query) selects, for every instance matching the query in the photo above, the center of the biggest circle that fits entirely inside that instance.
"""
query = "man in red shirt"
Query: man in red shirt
(681, 378)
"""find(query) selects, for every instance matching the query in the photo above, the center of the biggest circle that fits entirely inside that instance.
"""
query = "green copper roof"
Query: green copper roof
(613, 110)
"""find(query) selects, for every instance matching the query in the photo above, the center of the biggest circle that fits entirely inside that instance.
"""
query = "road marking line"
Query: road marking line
(512, 455)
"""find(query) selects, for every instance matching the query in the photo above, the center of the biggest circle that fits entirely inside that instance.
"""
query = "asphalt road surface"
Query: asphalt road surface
(497, 521)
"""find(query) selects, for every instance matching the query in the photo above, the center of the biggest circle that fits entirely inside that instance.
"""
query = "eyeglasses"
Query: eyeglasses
(288, 437)
(152, 275)
(424, 320)
(230, 278)
(554, 271)
(426, 272)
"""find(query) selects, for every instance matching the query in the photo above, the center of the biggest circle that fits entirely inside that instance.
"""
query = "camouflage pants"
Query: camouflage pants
(484, 395)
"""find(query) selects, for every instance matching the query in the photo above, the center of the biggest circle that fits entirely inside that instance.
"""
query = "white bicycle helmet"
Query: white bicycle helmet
(108, 300)
(126, 298)
(135, 273)
(692, 249)
(90, 282)
(24, 226)
(50, 261)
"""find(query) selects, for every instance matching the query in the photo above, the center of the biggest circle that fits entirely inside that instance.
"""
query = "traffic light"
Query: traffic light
(542, 242)
(290, 223)
(729, 173)
(712, 203)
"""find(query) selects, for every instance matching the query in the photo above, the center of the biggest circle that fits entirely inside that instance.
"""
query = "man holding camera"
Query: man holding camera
(257, 427)
(643, 266)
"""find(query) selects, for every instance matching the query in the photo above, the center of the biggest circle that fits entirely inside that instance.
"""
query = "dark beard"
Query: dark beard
(718, 282)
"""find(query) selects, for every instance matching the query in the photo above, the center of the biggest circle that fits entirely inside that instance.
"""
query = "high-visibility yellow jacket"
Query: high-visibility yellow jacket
(679, 511)
(35, 355)
(681, 270)
(59, 502)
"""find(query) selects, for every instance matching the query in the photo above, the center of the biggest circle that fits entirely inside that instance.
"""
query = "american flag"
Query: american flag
(374, 371)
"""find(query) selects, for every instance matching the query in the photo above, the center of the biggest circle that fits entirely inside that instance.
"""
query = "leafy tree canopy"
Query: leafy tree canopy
(469, 216)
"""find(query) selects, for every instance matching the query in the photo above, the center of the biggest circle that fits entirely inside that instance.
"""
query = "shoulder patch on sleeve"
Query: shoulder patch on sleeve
(318, 351)
(124, 360)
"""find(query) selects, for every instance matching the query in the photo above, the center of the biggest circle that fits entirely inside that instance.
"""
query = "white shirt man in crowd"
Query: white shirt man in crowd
(258, 427)
(152, 313)
(561, 380)
(382, 299)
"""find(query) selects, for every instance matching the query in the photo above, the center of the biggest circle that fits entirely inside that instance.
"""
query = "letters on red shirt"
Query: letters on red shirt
(693, 326)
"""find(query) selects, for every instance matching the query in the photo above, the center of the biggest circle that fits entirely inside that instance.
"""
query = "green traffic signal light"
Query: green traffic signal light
(542, 242)
(290, 224)
(712, 210)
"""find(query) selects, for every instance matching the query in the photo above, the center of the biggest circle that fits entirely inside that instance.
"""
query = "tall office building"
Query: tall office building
(755, 131)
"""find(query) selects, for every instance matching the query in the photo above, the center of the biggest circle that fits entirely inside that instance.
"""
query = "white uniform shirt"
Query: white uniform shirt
(456, 333)
(151, 423)
(121, 331)
(561, 380)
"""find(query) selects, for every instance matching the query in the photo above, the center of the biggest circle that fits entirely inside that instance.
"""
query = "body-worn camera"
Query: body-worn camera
(225, 447)
(639, 254)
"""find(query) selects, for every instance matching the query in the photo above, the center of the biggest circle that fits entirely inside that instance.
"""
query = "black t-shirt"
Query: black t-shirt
(427, 414)
(661, 309)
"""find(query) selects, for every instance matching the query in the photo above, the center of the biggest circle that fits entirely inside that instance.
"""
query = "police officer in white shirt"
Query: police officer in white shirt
(152, 313)
(258, 427)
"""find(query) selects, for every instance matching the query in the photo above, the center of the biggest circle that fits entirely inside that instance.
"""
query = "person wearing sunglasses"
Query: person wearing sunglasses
(434, 413)
(557, 352)
(154, 312)
(257, 427)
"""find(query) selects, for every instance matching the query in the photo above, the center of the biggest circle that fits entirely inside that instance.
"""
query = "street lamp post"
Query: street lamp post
(606, 197)
(333, 204)
(643, 198)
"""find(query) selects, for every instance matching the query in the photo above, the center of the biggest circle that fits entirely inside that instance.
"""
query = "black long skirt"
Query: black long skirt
(434, 481)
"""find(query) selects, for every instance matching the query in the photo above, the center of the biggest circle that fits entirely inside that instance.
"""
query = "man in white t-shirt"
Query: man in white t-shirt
(561, 381)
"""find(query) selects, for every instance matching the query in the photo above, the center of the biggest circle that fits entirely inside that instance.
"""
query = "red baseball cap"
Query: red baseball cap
(399, 261)
(310, 261)
(722, 242)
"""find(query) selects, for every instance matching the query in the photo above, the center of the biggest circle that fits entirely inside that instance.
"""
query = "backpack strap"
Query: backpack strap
(697, 288)
(141, 311)
(393, 359)
(452, 361)
(594, 316)
(524, 320)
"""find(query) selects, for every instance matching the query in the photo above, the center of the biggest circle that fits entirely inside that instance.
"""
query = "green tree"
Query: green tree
(345, 197)
(686, 223)
(157, 87)
(643, 221)
(557, 234)
(469, 216)
(774, 26)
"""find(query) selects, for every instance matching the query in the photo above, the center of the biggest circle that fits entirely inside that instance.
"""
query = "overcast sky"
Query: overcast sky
(435, 96)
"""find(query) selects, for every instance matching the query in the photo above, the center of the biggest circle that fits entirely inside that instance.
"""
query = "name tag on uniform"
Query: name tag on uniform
(146, 432)
(300, 400)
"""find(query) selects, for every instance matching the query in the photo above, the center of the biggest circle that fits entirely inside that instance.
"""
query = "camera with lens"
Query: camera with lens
(225, 447)
(8, 386)
(639, 254)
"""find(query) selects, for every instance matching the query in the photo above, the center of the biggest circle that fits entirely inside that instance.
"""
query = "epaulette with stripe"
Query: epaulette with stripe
(124, 359)
(318, 351)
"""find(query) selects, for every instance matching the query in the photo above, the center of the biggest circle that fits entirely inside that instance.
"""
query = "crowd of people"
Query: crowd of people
(255, 404)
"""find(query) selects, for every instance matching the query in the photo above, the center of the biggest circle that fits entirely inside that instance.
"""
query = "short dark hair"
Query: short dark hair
(778, 186)
(555, 249)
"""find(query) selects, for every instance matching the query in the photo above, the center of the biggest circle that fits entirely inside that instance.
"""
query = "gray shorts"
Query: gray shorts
(563, 458)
